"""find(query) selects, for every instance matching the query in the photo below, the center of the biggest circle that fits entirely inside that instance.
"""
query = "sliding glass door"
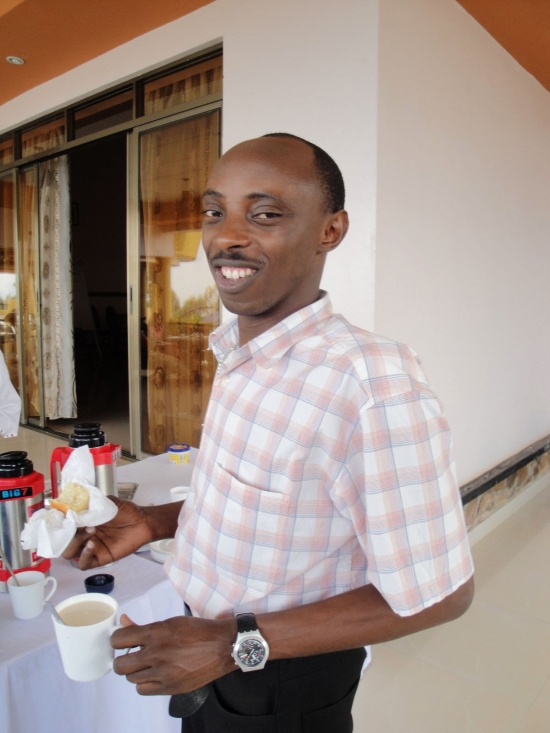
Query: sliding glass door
(178, 305)
(106, 299)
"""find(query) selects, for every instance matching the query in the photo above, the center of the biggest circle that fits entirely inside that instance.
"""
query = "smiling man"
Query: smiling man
(325, 513)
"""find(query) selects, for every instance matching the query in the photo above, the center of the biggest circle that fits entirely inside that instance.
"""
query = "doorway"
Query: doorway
(98, 211)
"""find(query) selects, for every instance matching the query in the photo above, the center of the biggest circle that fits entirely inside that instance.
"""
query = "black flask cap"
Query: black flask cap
(87, 433)
(14, 464)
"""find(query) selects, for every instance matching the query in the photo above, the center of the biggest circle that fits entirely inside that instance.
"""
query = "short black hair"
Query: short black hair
(330, 175)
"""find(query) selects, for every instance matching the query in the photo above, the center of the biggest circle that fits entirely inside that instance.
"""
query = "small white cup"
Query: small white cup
(179, 493)
(27, 598)
(86, 651)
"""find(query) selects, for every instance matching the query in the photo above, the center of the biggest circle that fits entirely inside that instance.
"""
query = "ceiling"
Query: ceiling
(522, 27)
(55, 36)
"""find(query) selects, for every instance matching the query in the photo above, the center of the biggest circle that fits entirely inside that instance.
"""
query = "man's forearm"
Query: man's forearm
(351, 620)
(182, 654)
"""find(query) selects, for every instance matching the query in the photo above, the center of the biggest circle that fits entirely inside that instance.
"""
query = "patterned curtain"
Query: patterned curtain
(180, 305)
(56, 288)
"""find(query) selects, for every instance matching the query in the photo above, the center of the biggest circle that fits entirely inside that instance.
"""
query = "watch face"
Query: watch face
(251, 652)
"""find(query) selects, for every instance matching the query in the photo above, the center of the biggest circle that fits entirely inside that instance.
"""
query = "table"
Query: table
(35, 694)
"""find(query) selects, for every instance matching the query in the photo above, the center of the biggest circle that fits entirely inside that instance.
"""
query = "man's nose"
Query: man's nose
(231, 232)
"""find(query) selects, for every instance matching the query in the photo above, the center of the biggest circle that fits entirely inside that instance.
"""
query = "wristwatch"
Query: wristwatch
(250, 650)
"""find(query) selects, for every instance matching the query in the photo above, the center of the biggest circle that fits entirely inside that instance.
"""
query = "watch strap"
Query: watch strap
(246, 622)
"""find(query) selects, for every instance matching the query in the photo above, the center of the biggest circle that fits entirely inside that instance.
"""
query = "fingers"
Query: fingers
(129, 663)
(88, 558)
(127, 621)
(130, 636)
(150, 688)
(94, 554)
(74, 547)
(148, 680)
(142, 676)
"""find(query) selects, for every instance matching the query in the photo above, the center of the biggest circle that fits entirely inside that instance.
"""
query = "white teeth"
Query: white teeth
(232, 273)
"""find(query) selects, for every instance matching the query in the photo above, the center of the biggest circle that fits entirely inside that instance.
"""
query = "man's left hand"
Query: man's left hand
(177, 655)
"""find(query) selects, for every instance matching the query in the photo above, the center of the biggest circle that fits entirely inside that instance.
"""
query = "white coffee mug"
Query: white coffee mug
(27, 598)
(179, 493)
(86, 650)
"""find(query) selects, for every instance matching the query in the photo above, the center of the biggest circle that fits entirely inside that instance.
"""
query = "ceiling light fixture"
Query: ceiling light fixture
(15, 60)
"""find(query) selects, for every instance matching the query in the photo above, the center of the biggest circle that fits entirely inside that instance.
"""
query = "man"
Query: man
(325, 503)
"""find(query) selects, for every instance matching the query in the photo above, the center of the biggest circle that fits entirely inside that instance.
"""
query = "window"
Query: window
(45, 137)
(185, 85)
(6, 149)
(103, 114)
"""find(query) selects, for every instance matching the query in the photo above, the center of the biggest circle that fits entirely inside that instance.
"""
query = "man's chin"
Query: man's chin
(239, 309)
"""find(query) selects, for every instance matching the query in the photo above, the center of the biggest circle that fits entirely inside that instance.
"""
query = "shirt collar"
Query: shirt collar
(271, 345)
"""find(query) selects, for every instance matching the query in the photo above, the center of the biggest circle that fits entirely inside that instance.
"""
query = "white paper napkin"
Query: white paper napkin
(49, 531)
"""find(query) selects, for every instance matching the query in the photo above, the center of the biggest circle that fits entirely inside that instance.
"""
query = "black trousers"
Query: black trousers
(304, 695)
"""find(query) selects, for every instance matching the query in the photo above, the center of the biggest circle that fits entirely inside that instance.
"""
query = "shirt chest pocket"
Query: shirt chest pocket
(245, 531)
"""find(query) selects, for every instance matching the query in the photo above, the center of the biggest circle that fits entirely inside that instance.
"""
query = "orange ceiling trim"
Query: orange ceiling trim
(7, 5)
(522, 27)
(56, 36)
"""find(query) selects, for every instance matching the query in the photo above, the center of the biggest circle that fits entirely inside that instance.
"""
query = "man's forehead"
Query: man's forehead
(268, 160)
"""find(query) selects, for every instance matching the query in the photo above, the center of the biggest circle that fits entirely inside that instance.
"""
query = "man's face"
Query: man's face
(263, 228)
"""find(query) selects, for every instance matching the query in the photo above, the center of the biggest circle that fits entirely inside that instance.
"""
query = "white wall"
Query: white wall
(463, 212)
(306, 67)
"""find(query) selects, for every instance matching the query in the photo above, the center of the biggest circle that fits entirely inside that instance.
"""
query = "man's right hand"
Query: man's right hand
(125, 533)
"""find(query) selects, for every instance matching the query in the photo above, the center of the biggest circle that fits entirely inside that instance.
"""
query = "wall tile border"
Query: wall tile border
(494, 489)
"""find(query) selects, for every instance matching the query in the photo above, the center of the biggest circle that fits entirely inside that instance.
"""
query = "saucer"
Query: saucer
(161, 549)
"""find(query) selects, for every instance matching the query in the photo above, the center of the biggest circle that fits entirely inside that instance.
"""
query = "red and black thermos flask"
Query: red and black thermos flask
(21, 494)
(105, 456)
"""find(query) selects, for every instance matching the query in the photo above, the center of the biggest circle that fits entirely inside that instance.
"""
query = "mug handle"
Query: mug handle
(50, 594)
(125, 651)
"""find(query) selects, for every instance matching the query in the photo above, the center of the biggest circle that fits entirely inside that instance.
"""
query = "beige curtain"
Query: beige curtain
(184, 86)
(175, 163)
(43, 138)
(56, 290)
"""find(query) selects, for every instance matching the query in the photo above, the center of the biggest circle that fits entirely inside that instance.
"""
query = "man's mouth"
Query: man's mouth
(236, 273)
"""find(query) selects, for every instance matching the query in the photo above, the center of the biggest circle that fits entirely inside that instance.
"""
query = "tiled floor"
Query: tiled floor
(488, 672)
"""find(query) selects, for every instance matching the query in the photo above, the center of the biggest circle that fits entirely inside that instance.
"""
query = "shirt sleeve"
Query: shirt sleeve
(401, 493)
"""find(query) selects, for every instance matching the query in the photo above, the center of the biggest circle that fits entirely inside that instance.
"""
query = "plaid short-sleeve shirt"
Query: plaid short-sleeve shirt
(325, 464)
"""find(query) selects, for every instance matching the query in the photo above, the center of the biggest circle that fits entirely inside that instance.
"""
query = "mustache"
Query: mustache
(226, 257)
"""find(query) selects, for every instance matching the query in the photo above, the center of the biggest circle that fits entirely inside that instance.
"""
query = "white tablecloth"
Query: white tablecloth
(35, 694)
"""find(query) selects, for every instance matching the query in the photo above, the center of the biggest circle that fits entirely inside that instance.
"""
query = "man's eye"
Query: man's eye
(211, 213)
(264, 215)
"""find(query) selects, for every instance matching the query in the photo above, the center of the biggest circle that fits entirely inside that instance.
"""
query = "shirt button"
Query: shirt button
(225, 381)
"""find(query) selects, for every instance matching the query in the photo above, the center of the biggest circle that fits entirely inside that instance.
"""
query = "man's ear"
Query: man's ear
(336, 227)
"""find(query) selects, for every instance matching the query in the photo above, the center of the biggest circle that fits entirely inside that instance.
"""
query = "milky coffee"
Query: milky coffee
(86, 613)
